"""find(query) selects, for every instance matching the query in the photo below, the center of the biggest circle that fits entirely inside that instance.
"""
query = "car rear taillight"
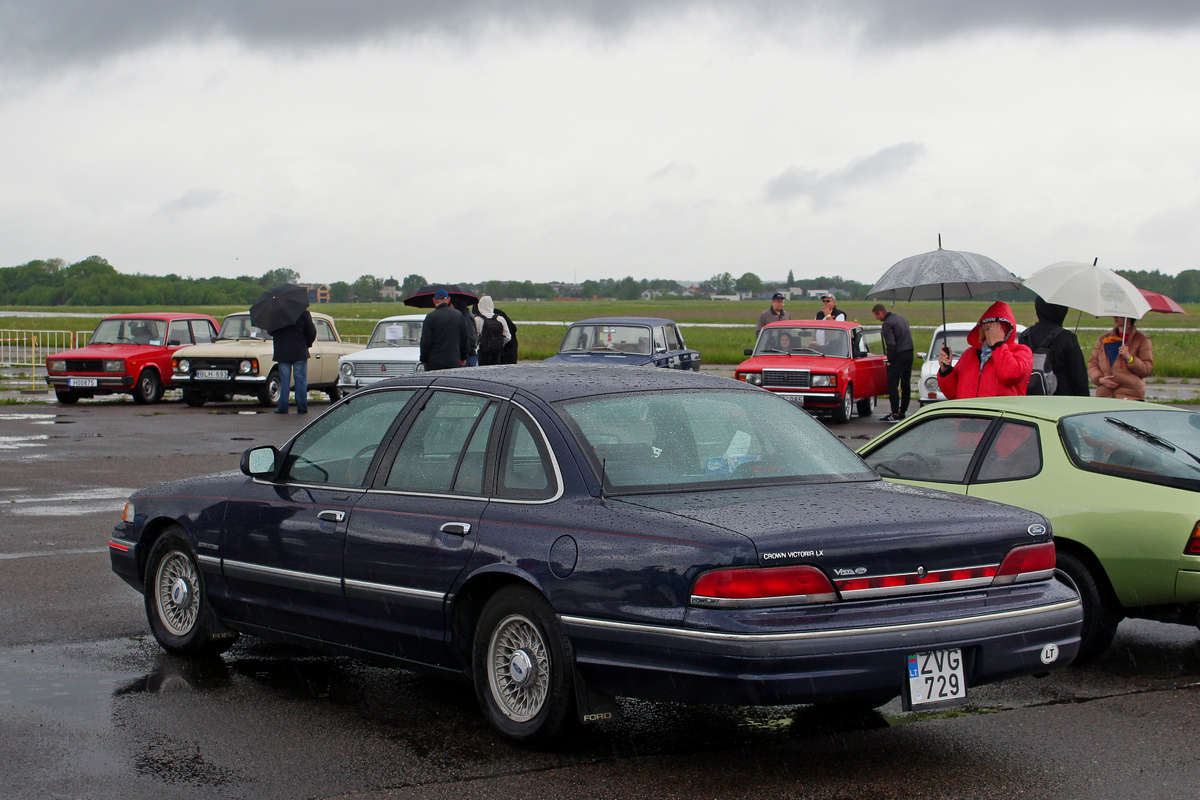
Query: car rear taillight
(1193, 545)
(1031, 562)
(758, 586)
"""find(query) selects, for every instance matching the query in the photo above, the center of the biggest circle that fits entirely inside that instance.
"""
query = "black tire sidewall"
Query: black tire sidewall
(146, 390)
(559, 710)
(1100, 614)
(197, 639)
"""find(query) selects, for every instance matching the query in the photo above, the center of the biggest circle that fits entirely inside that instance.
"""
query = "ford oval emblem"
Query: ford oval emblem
(1037, 530)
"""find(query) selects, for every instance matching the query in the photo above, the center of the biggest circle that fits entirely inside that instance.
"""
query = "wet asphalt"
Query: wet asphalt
(90, 707)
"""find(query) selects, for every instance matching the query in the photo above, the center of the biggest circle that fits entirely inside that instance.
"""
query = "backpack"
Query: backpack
(491, 337)
(1042, 381)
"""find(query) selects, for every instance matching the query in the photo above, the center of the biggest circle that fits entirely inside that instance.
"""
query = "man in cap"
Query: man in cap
(773, 314)
(829, 309)
(444, 340)
(898, 347)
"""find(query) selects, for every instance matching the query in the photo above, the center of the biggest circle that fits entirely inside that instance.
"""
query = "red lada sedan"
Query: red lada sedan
(127, 354)
(822, 365)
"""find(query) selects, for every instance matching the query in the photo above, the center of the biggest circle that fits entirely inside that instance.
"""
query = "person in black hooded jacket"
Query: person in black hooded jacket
(1069, 365)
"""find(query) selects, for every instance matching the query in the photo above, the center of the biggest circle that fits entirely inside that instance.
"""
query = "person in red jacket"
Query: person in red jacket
(994, 365)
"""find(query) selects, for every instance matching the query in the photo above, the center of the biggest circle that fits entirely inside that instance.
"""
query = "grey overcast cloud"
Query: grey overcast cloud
(544, 140)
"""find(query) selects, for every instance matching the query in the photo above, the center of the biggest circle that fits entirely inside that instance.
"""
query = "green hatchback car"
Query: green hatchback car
(1119, 482)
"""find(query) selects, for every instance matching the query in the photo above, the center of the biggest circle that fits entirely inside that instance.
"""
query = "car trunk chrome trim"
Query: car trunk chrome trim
(688, 633)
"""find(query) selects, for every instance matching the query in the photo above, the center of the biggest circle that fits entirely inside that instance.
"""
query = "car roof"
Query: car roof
(1046, 408)
(651, 321)
(163, 315)
(814, 323)
(403, 318)
(315, 315)
(554, 382)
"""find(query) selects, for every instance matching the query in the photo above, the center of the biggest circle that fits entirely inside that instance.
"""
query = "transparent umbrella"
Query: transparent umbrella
(1089, 288)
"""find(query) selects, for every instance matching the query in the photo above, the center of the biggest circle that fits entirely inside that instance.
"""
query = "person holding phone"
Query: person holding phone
(898, 347)
(994, 365)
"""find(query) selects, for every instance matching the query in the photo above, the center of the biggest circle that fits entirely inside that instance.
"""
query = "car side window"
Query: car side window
(203, 331)
(939, 449)
(526, 472)
(445, 449)
(1014, 454)
(337, 449)
(179, 333)
(324, 331)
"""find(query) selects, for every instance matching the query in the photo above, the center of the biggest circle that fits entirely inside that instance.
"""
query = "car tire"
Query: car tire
(1101, 610)
(176, 606)
(523, 668)
(268, 395)
(335, 393)
(194, 397)
(843, 412)
(148, 388)
(866, 407)
(66, 397)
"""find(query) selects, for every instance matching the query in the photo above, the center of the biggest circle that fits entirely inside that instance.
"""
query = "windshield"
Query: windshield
(240, 328)
(958, 343)
(1155, 445)
(652, 441)
(129, 331)
(633, 339)
(396, 334)
(800, 340)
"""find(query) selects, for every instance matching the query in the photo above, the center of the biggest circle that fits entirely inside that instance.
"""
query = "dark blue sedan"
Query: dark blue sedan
(626, 341)
(561, 536)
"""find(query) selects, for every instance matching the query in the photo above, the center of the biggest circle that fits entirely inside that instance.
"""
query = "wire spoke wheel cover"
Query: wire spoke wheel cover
(177, 599)
(518, 668)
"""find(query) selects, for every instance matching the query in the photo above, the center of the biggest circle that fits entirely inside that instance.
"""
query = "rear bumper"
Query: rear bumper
(741, 668)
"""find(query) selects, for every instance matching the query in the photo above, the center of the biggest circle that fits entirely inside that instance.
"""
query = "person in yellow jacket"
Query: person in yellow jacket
(1121, 361)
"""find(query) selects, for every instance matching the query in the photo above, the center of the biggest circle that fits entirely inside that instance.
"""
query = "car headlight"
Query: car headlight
(752, 378)
(347, 369)
(824, 381)
(114, 366)
(56, 366)
(931, 384)
(181, 365)
(246, 367)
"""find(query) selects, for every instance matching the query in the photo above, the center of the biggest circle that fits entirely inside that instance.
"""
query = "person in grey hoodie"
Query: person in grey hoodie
(491, 331)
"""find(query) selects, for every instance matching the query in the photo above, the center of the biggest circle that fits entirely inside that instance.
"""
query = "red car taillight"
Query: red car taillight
(757, 586)
(1031, 562)
(1193, 545)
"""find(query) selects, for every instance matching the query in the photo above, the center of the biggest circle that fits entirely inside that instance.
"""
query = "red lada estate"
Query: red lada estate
(822, 365)
(127, 354)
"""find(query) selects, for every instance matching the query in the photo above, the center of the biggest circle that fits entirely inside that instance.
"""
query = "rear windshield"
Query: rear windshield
(654, 441)
(1152, 445)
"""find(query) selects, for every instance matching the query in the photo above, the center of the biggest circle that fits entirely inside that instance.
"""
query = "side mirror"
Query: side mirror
(260, 462)
(748, 352)
(173, 343)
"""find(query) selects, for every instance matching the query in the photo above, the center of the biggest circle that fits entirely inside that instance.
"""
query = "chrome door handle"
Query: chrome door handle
(456, 528)
(331, 516)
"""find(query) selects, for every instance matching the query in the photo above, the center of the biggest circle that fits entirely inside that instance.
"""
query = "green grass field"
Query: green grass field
(1176, 350)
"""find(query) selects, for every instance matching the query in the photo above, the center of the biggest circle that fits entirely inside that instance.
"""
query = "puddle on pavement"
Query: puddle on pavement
(42, 418)
(19, 442)
(69, 504)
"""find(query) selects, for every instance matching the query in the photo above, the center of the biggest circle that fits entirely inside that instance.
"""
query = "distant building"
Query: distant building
(317, 292)
(566, 288)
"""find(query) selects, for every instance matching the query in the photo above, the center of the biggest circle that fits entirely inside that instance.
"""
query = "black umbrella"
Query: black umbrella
(279, 307)
(423, 297)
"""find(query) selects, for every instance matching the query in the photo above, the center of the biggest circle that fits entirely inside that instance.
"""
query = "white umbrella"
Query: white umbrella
(1088, 287)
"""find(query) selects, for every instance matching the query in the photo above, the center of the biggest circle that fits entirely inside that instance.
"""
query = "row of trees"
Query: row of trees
(95, 282)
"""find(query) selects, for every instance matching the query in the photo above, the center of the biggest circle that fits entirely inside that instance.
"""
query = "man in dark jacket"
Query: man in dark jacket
(1065, 353)
(444, 340)
(509, 354)
(898, 347)
(291, 345)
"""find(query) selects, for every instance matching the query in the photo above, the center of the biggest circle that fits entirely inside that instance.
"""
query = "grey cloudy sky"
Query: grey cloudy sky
(549, 140)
